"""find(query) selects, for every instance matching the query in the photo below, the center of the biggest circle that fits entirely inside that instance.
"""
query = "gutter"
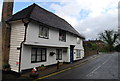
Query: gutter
(26, 25)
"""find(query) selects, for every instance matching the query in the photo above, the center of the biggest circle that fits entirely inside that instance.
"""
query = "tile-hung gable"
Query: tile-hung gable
(36, 13)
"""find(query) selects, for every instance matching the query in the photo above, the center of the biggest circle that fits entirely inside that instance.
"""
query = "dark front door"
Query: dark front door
(71, 53)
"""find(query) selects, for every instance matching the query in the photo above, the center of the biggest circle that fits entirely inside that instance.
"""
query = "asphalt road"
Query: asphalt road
(105, 66)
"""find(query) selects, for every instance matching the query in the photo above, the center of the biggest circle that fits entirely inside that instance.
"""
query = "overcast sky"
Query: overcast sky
(88, 17)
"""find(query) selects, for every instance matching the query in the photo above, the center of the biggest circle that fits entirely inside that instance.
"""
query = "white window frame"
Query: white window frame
(62, 35)
(59, 54)
(42, 30)
(78, 40)
(78, 52)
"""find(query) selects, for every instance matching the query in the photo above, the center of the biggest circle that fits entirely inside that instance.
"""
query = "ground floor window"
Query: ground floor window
(38, 55)
(78, 53)
(58, 54)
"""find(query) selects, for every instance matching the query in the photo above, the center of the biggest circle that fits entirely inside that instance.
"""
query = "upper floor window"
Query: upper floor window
(62, 35)
(43, 32)
(78, 40)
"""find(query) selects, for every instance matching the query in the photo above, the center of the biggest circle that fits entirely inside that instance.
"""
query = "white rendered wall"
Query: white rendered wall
(34, 39)
(26, 57)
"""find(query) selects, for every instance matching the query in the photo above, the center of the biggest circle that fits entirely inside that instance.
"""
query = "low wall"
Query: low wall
(90, 52)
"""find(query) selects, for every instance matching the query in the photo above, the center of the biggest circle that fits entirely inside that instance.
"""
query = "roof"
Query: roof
(94, 41)
(41, 15)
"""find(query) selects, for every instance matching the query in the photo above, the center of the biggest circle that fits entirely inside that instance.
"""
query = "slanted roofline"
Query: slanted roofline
(36, 13)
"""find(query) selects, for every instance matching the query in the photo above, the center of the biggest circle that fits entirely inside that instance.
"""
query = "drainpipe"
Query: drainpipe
(26, 22)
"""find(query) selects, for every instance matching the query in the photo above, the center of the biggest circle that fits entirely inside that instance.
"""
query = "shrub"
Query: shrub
(6, 66)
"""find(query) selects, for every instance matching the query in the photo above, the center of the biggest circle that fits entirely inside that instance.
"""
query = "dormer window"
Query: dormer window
(43, 32)
(62, 35)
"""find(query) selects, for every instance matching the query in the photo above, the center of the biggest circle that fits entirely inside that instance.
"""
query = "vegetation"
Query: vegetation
(6, 66)
(110, 38)
(117, 48)
(91, 46)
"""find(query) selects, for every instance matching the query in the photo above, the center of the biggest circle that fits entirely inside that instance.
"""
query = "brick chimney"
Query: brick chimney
(7, 11)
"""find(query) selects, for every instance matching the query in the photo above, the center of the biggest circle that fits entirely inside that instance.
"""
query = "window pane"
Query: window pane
(62, 35)
(46, 32)
(33, 52)
(57, 51)
(43, 54)
(40, 30)
(78, 40)
(79, 54)
(38, 58)
(58, 54)
(38, 52)
(43, 51)
(43, 57)
(60, 51)
(33, 58)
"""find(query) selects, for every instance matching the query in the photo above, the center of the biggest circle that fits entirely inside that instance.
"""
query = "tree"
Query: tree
(109, 37)
(117, 48)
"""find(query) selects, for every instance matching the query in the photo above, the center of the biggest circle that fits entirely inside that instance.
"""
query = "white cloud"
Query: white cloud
(103, 14)
(90, 27)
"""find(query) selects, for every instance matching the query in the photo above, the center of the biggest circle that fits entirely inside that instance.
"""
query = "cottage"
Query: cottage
(41, 37)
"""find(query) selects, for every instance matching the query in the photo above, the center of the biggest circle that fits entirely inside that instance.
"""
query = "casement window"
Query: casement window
(58, 54)
(62, 35)
(38, 55)
(43, 32)
(78, 40)
(78, 53)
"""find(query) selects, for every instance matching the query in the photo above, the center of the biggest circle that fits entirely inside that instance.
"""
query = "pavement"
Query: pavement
(50, 69)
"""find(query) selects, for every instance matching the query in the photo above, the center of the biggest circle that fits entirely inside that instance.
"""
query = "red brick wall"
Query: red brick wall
(90, 52)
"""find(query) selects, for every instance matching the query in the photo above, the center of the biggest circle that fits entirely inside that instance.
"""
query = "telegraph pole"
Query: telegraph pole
(7, 11)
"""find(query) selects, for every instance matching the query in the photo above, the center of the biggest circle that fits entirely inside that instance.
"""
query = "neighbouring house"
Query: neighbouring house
(41, 37)
(93, 47)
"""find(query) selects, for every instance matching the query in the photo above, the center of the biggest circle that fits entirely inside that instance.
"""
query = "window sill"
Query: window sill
(43, 37)
(78, 57)
(62, 40)
(37, 61)
(58, 59)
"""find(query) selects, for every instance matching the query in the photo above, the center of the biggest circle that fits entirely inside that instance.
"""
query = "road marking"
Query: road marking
(98, 67)
(59, 72)
(52, 74)
(62, 70)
